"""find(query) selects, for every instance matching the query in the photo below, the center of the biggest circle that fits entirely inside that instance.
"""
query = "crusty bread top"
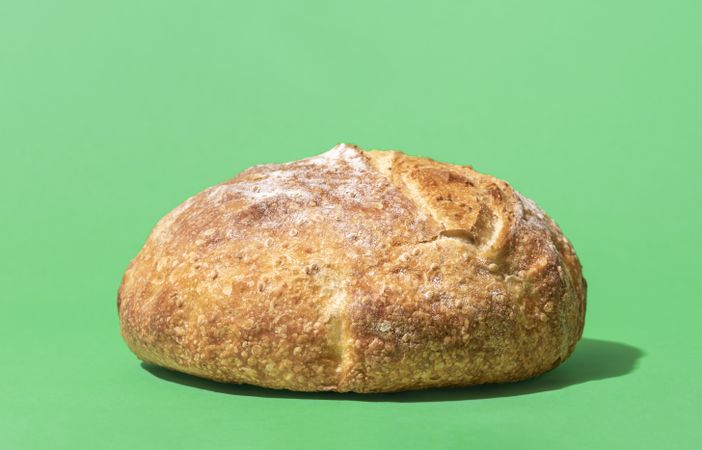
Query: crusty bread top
(355, 270)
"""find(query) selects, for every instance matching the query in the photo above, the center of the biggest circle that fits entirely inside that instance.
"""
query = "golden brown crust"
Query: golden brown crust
(355, 271)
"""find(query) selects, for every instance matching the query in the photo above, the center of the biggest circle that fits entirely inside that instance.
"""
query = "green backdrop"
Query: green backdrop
(112, 113)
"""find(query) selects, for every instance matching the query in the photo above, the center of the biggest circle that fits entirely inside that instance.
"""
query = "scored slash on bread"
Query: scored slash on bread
(366, 271)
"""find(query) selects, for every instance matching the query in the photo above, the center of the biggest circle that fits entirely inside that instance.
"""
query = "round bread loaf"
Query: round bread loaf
(365, 271)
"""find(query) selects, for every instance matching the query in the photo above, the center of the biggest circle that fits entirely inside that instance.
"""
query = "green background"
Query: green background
(112, 113)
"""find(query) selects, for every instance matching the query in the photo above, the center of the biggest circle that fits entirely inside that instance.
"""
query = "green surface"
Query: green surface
(112, 113)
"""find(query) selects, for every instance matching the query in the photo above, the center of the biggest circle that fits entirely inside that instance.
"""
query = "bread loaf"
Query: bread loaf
(365, 271)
